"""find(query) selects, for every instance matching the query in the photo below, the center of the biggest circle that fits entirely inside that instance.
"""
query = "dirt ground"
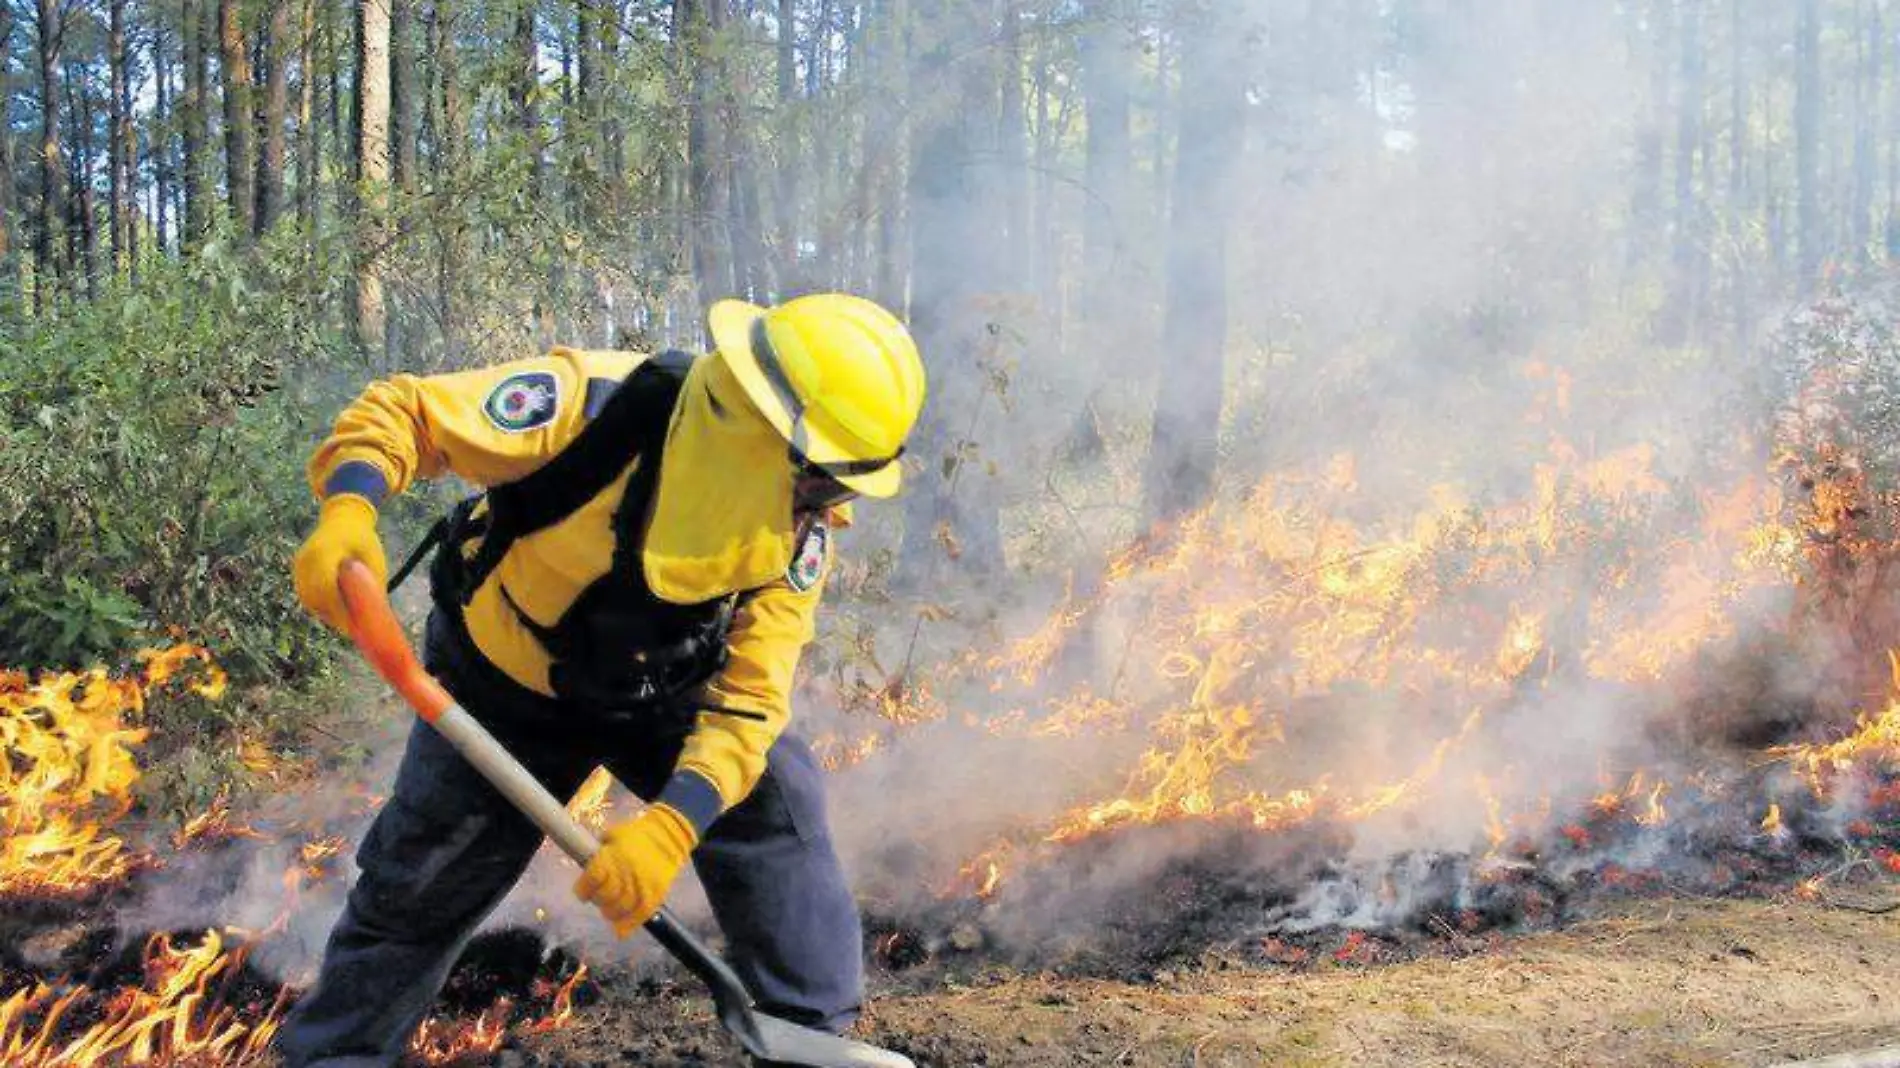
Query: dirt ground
(1671, 982)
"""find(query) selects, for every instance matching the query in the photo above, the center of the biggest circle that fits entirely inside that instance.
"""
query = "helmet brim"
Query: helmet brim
(731, 322)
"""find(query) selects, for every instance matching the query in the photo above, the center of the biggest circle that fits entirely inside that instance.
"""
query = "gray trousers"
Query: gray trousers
(447, 847)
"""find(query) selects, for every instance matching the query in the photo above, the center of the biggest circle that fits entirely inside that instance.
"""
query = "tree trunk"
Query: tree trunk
(1646, 205)
(404, 91)
(1161, 140)
(1740, 281)
(1045, 215)
(785, 189)
(270, 164)
(50, 238)
(126, 134)
(526, 77)
(699, 21)
(1807, 133)
(453, 134)
(1870, 42)
(451, 137)
(239, 118)
(1893, 144)
(751, 261)
(1009, 180)
(306, 117)
(118, 137)
(1181, 456)
(343, 149)
(587, 92)
(1108, 65)
(191, 112)
(164, 115)
(951, 517)
(886, 149)
(613, 146)
(7, 277)
(1690, 254)
(81, 231)
(1108, 50)
(372, 153)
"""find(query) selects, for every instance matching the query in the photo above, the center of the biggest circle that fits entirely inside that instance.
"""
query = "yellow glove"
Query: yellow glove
(637, 863)
(346, 530)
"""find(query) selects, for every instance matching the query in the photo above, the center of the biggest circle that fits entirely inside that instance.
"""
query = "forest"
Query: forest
(1403, 483)
(274, 200)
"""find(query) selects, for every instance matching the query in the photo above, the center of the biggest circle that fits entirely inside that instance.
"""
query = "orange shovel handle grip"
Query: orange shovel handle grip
(376, 631)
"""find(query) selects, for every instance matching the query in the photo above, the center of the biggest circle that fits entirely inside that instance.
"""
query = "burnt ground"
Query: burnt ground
(1674, 981)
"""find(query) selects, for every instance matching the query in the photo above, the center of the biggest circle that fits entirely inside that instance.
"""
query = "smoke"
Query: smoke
(1483, 543)
(1446, 311)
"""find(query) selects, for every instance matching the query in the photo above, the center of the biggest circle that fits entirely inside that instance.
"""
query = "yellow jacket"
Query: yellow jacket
(721, 524)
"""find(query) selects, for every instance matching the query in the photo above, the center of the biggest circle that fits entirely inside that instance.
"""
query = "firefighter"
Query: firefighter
(633, 589)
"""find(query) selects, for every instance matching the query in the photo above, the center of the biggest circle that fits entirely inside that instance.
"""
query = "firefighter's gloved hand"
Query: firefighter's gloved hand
(346, 530)
(637, 863)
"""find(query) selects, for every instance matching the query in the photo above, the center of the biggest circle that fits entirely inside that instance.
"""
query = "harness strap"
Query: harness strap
(438, 530)
(597, 455)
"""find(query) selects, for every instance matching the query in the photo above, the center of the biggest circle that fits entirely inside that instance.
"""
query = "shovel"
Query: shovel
(374, 628)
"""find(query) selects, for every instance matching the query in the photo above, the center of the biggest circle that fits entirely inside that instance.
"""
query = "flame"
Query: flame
(444, 1041)
(1771, 823)
(561, 1013)
(448, 1040)
(68, 769)
(1234, 631)
(183, 1014)
(67, 775)
(213, 824)
(835, 753)
(1654, 814)
(1875, 740)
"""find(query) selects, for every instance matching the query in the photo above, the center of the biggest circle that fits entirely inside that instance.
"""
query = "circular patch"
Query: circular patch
(524, 401)
(808, 563)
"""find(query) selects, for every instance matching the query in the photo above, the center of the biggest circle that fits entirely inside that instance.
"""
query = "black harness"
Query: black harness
(618, 650)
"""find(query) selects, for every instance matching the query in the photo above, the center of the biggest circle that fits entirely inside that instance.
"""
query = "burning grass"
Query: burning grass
(76, 989)
(1318, 727)
(66, 770)
(1448, 710)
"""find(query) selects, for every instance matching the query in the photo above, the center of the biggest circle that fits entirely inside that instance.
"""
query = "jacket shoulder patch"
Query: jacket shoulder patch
(810, 558)
(524, 401)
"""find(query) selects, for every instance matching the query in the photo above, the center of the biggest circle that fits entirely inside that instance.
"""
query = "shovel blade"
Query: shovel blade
(787, 1043)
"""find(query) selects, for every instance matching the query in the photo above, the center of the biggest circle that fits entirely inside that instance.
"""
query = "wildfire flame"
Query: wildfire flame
(68, 769)
(184, 1014)
(447, 1041)
(1875, 739)
(1245, 622)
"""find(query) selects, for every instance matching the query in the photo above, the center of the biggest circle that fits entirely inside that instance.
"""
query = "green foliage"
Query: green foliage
(150, 465)
(1839, 391)
(64, 619)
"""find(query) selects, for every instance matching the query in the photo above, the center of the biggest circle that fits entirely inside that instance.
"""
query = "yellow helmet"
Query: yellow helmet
(838, 376)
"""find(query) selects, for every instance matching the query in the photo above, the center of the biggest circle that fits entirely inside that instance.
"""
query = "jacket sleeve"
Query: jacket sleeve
(747, 705)
(488, 426)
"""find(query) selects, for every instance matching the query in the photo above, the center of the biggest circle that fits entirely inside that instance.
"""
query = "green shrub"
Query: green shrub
(151, 452)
